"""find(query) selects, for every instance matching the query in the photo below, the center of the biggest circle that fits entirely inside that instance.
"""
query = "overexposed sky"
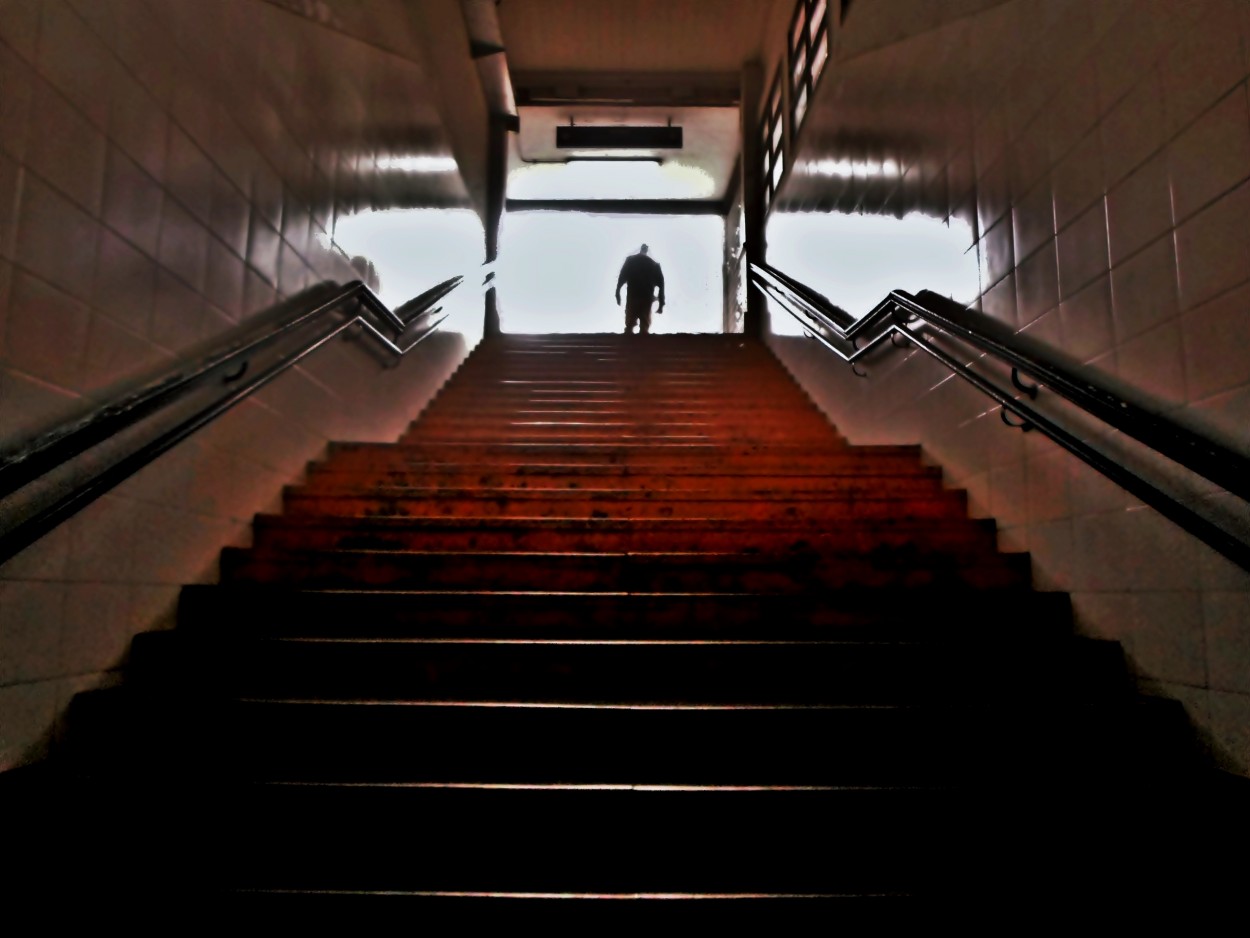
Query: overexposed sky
(414, 248)
(557, 270)
(856, 260)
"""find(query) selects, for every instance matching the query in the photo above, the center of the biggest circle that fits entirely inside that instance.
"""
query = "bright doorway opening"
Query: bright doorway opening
(557, 270)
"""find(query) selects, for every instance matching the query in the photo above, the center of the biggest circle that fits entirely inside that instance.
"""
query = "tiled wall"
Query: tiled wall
(1106, 177)
(166, 169)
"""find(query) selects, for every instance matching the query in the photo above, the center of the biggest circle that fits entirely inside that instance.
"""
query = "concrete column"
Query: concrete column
(756, 320)
(496, 195)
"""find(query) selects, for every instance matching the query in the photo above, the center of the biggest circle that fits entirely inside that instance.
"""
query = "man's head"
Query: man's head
(644, 249)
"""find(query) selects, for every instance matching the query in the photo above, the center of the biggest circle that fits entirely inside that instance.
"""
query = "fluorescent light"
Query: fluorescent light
(848, 169)
(418, 164)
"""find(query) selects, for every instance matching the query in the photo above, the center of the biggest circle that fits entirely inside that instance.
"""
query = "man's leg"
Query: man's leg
(637, 313)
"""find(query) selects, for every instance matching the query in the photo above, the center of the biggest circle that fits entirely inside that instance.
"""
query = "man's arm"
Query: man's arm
(620, 282)
(659, 276)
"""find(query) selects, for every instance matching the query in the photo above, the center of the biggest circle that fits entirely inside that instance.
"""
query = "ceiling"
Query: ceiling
(632, 35)
(628, 62)
(701, 170)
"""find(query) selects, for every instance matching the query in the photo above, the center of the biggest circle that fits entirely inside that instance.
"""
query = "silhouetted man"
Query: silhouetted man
(641, 275)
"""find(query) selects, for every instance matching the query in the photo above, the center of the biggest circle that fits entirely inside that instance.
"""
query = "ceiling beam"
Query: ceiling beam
(620, 206)
(627, 89)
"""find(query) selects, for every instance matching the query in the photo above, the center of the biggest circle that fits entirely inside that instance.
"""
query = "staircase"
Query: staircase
(624, 617)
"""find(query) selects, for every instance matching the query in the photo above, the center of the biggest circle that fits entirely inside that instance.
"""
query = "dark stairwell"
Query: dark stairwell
(625, 617)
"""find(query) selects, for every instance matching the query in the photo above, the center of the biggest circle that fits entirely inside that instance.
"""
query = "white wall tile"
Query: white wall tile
(56, 239)
(1033, 219)
(1203, 64)
(1213, 250)
(224, 283)
(1083, 250)
(74, 60)
(97, 627)
(66, 148)
(993, 195)
(999, 301)
(132, 202)
(1225, 416)
(183, 245)
(19, 26)
(29, 711)
(1127, 51)
(1073, 111)
(12, 180)
(46, 331)
(1086, 320)
(997, 253)
(1144, 290)
(1139, 208)
(125, 283)
(1154, 363)
(1230, 727)
(1216, 338)
(1050, 544)
(263, 248)
(1134, 129)
(6, 282)
(29, 405)
(30, 630)
(189, 174)
(113, 356)
(1079, 179)
(177, 311)
(17, 80)
(137, 124)
(1211, 156)
(1227, 615)
(1037, 285)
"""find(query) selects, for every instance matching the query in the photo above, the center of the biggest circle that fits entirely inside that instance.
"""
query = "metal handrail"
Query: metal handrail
(227, 366)
(892, 317)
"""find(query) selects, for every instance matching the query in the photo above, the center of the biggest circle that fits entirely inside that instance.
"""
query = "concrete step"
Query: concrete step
(541, 743)
(610, 503)
(623, 572)
(726, 672)
(748, 454)
(687, 458)
(551, 841)
(421, 485)
(954, 615)
(589, 433)
(295, 532)
(546, 474)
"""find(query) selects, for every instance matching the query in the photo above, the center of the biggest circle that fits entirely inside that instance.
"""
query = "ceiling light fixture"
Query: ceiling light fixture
(658, 161)
(575, 137)
(417, 164)
(848, 169)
